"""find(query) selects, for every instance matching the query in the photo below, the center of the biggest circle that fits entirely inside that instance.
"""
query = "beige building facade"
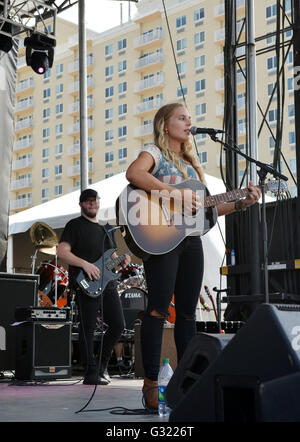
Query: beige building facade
(131, 72)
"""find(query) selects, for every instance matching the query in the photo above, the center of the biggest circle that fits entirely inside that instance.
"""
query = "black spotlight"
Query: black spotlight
(39, 52)
(6, 42)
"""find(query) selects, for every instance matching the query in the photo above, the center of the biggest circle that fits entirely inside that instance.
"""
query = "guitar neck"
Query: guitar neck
(116, 261)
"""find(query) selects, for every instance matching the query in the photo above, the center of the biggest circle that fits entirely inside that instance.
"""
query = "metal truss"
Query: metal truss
(27, 16)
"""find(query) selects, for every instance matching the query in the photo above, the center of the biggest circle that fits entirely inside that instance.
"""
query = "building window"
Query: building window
(200, 109)
(122, 87)
(109, 156)
(180, 21)
(122, 109)
(272, 115)
(45, 153)
(199, 38)
(122, 131)
(272, 62)
(200, 85)
(46, 93)
(45, 172)
(58, 149)
(46, 113)
(122, 65)
(58, 190)
(109, 113)
(109, 135)
(109, 92)
(59, 69)
(46, 132)
(183, 91)
(59, 88)
(122, 44)
(271, 11)
(59, 108)
(109, 70)
(59, 129)
(182, 67)
(122, 153)
(45, 193)
(109, 49)
(181, 44)
(199, 62)
(199, 14)
(58, 169)
(202, 157)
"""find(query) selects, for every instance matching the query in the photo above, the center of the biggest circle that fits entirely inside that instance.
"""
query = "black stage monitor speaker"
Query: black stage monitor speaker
(200, 353)
(43, 350)
(265, 349)
(16, 290)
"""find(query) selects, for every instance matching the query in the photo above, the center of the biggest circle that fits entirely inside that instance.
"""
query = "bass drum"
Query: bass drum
(47, 272)
(134, 303)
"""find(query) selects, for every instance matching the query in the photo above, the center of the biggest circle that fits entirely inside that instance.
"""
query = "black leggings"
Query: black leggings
(112, 315)
(178, 272)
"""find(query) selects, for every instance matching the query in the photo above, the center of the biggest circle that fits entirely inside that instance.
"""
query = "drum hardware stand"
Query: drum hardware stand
(33, 259)
(215, 289)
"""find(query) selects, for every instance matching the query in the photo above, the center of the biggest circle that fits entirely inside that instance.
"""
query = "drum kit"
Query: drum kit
(54, 279)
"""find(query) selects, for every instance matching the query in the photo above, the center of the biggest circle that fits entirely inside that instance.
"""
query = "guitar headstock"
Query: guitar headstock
(277, 187)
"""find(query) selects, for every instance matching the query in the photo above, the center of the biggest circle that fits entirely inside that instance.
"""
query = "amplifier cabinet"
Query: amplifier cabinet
(43, 350)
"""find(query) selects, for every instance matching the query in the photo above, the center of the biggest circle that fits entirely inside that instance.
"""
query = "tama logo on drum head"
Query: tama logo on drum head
(133, 295)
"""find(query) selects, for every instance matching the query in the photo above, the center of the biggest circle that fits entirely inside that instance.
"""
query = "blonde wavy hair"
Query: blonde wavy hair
(161, 140)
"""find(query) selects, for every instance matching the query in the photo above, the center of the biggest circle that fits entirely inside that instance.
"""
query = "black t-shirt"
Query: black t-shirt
(88, 240)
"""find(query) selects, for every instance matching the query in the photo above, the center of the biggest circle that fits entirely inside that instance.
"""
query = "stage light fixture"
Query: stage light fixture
(39, 52)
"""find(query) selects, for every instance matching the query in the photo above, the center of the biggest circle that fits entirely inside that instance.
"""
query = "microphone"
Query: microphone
(205, 130)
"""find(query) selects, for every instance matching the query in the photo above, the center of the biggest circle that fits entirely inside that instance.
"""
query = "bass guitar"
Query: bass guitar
(153, 223)
(105, 264)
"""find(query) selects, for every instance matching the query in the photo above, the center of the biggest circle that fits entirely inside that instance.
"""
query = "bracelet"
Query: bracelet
(238, 206)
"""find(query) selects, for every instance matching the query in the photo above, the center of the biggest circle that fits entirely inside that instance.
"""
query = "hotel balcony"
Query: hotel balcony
(74, 67)
(219, 10)
(75, 170)
(74, 150)
(21, 203)
(24, 106)
(24, 163)
(149, 84)
(143, 131)
(26, 143)
(149, 40)
(153, 60)
(74, 87)
(25, 87)
(24, 125)
(21, 184)
(74, 129)
(74, 108)
(147, 106)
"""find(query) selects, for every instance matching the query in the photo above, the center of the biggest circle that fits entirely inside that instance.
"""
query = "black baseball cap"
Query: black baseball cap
(88, 193)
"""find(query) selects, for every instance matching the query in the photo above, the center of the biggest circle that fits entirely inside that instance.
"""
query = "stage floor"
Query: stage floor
(62, 400)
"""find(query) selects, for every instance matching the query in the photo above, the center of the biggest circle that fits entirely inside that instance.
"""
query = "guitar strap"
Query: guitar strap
(109, 235)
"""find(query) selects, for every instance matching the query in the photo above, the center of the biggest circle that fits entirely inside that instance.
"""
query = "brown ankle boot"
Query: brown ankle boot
(150, 392)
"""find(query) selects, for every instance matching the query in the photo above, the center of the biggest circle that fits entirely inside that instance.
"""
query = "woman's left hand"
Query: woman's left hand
(253, 195)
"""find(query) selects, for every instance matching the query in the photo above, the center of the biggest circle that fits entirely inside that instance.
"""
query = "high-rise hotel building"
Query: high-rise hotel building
(131, 72)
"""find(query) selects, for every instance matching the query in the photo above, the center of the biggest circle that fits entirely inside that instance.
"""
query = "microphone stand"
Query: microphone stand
(264, 169)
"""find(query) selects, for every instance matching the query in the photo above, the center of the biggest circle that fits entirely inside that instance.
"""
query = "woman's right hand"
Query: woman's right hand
(187, 200)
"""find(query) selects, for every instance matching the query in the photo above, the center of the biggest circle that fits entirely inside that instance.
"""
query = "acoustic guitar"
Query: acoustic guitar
(153, 223)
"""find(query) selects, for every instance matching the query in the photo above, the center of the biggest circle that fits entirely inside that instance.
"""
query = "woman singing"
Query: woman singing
(170, 161)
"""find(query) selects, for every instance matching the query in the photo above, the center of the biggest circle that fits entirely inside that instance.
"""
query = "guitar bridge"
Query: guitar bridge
(167, 215)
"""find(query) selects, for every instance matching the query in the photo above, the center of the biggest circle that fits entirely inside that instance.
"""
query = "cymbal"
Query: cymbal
(44, 238)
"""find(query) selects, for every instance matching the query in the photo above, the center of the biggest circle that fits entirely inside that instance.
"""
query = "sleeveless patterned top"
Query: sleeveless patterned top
(165, 171)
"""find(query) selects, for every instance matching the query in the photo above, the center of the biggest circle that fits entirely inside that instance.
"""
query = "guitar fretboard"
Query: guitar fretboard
(116, 261)
(236, 194)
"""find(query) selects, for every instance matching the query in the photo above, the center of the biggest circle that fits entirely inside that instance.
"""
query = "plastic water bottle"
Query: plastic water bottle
(233, 257)
(164, 375)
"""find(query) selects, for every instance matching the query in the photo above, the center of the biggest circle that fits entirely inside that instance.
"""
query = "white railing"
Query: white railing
(142, 131)
(23, 144)
(26, 84)
(24, 104)
(20, 203)
(74, 107)
(75, 170)
(148, 83)
(19, 184)
(148, 60)
(146, 106)
(74, 87)
(75, 148)
(21, 164)
(156, 34)
(74, 66)
(23, 124)
(76, 127)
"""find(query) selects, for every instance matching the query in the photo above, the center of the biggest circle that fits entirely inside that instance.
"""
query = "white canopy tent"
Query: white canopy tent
(57, 212)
